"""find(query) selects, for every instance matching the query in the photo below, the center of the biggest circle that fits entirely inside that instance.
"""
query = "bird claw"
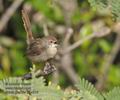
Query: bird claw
(49, 68)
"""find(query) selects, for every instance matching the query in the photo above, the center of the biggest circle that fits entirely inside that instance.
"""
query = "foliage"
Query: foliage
(87, 59)
(113, 94)
(37, 85)
(85, 91)
(112, 6)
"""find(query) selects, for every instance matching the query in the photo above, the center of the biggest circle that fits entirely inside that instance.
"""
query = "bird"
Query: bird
(39, 49)
(42, 49)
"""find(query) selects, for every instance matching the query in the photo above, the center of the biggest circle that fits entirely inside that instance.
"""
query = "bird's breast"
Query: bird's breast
(51, 51)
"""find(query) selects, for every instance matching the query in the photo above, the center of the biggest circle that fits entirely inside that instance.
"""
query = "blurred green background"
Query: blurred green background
(87, 60)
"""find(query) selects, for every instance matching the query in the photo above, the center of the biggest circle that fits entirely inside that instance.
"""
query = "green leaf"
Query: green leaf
(113, 94)
(114, 75)
(115, 8)
(87, 91)
(98, 3)
(106, 47)
(112, 6)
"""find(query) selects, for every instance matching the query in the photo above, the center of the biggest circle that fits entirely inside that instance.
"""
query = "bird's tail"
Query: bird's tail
(27, 26)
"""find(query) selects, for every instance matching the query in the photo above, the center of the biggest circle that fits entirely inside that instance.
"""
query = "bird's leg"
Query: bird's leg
(49, 68)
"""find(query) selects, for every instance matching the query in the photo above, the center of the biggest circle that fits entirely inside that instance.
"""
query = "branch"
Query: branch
(100, 33)
(77, 44)
(48, 69)
(9, 12)
(40, 19)
(1, 6)
(46, 33)
(66, 56)
(108, 62)
(66, 66)
(69, 32)
(66, 60)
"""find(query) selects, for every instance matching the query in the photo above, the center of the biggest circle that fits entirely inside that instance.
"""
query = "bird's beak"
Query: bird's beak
(56, 45)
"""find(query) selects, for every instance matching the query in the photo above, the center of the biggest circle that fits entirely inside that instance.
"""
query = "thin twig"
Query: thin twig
(69, 32)
(77, 44)
(67, 55)
(55, 77)
(101, 32)
(66, 66)
(48, 69)
(46, 33)
(1, 6)
(68, 35)
(9, 12)
(108, 62)
(66, 60)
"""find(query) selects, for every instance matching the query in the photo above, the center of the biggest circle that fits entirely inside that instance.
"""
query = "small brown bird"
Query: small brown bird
(39, 49)
(42, 49)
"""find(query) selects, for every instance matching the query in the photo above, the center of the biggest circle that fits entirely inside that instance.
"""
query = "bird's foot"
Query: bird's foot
(49, 68)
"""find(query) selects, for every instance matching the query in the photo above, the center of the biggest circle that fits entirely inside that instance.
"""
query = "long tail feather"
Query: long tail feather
(27, 26)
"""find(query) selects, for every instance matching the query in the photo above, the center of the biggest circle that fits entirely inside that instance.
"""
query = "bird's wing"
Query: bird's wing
(35, 48)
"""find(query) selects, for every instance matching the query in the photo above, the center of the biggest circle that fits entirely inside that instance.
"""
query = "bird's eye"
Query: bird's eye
(51, 41)
(55, 42)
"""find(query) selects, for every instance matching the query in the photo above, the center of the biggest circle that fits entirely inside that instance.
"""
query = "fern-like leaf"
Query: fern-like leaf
(14, 86)
(87, 91)
(115, 8)
(101, 4)
(113, 94)
(111, 6)
(49, 92)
